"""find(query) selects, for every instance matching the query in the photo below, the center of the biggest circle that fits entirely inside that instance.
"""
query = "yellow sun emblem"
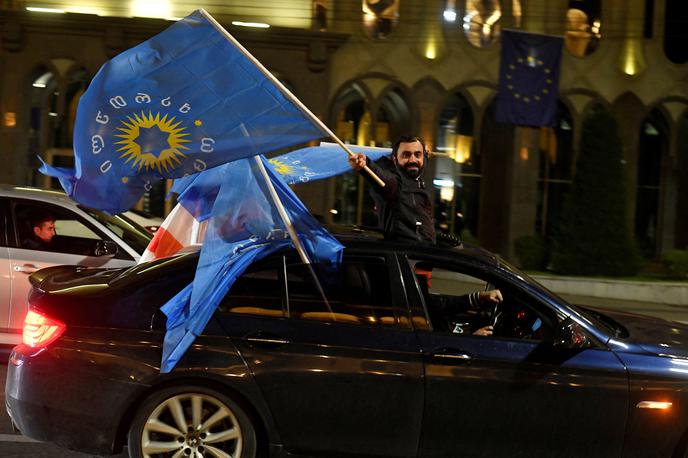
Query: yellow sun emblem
(281, 167)
(152, 142)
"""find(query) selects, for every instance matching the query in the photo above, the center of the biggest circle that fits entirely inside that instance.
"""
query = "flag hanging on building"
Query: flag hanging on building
(320, 162)
(243, 226)
(528, 79)
(183, 101)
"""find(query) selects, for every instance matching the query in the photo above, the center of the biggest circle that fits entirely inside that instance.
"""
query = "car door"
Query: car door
(77, 237)
(338, 364)
(512, 393)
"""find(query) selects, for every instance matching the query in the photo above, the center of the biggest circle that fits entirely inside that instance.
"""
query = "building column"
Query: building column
(521, 202)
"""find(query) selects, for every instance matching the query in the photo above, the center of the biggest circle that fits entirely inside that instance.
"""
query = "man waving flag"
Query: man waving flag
(188, 99)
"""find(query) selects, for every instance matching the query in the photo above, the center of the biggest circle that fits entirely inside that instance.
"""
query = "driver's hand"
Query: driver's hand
(486, 331)
(357, 161)
(490, 297)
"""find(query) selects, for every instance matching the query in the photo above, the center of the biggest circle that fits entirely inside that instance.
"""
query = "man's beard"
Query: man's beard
(412, 172)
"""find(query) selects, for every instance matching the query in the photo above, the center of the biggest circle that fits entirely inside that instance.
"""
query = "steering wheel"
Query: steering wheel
(496, 318)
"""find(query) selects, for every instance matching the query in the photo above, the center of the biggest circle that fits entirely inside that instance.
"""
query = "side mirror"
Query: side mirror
(105, 248)
(570, 334)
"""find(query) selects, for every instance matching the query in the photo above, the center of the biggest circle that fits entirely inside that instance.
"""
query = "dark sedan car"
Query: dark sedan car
(370, 362)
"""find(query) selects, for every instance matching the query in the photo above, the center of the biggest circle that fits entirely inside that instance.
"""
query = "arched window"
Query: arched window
(457, 170)
(554, 176)
(352, 126)
(652, 147)
(357, 125)
(675, 31)
(43, 114)
(682, 185)
(583, 26)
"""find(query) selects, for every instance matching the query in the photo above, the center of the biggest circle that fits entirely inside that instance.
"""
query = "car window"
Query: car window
(257, 292)
(4, 218)
(130, 232)
(72, 235)
(463, 302)
(355, 292)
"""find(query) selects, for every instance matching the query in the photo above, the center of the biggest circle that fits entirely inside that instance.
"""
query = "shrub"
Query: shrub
(676, 262)
(594, 235)
(531, 251)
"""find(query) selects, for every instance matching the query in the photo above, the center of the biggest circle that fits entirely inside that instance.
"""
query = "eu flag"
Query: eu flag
(528, 79)
(183, 101)
(243, 226)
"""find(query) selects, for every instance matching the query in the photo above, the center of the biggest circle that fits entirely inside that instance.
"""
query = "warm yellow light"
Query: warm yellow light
(10, 119)
(463, 148)
(524, 153)
(35, 9)
(431, 50)
(151, 8)
(257, 25)
(653, 405)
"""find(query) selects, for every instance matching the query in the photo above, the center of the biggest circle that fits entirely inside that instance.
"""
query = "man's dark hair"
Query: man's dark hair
(40, 216)
(409, 139)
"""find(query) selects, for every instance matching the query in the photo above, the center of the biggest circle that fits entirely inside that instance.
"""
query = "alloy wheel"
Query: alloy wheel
(195, 425)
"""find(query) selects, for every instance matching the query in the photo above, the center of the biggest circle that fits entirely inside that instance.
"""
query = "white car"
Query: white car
(83, 237)
(150, 222)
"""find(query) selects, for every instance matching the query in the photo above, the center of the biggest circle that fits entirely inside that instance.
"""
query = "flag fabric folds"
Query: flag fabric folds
(243, 226)
(181, 102)
(184, 228)
(528, 79)
(320, 162)
(180, 231)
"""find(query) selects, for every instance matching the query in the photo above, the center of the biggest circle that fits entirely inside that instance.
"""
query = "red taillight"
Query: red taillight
(40, 330)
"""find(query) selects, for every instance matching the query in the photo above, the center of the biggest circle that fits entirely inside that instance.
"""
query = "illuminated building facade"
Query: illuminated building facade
(375, 69)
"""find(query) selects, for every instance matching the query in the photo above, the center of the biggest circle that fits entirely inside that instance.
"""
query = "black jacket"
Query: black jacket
(403, 206)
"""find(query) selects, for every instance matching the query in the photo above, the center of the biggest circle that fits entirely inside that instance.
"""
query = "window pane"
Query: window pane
(71, 236)
(481, 23)
(358, 292)
(257, 292)
(583, 27)
(454, 306)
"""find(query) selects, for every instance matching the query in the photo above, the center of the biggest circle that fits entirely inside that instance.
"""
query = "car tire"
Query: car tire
(212, 420)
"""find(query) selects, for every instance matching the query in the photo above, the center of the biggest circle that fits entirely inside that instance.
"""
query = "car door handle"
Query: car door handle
(26, 268)
(265, 340)
(449, 357)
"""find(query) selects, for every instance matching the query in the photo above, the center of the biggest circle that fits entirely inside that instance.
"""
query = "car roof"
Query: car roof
(27, 192)
(362, 238)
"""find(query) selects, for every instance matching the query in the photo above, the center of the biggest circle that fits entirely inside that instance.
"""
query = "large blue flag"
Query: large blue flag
(243, 227)
(528, 79)
(320, 162)
(183, 101)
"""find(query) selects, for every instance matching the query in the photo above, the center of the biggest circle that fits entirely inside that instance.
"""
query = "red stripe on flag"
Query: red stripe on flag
(164, 244)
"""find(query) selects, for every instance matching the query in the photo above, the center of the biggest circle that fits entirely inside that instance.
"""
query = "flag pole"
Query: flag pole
(282, 212)
(291, 231)
(288, 93)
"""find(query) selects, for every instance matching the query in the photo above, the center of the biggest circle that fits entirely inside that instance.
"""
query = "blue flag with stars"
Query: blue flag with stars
(528, 79)
(183, 101)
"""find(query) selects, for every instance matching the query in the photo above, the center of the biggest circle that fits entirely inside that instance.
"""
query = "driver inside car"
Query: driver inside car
(443, 308)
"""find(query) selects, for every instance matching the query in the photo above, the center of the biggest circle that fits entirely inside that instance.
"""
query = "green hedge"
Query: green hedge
(531, 251)
(676, 262)
(594, 235)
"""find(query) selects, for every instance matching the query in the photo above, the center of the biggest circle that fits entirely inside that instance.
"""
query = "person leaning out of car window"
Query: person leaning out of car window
(42, 231)
(403, 205)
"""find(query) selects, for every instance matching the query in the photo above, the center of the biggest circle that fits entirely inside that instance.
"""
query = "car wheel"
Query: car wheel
(191, 421)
